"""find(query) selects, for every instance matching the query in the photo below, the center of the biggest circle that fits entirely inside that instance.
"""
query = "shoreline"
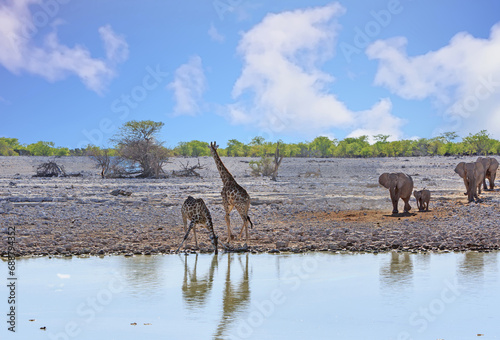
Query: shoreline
(345, 231)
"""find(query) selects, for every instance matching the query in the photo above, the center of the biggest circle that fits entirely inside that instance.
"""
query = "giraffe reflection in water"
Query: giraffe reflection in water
(236, 297)
(195, 290)
(236, 288)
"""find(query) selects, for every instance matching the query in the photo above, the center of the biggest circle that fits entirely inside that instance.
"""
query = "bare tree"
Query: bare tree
(101, 157)
(277, 162)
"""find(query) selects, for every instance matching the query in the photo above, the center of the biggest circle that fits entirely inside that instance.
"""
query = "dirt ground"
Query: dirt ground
(316, 204)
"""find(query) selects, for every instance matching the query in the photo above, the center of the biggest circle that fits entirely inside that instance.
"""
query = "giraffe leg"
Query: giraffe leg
(244, 216)
(191, 226)
(184, 222)
(244, 227)
(228, 222)
(195, 239)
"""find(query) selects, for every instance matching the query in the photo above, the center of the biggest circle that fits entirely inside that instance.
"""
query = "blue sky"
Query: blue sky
(73, 71)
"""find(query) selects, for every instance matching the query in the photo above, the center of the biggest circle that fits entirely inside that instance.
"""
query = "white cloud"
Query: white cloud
(51, 59)
(462, 78)
(282, 88)
(115, 45)
(63, 276)
(378, 120)
(188, 86)
(215, 35)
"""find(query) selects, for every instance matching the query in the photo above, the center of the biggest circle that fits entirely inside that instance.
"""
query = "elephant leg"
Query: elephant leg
(466, 182)
(394, 206)
(473, 193)
(395, 199)
(492, 180)
(483, 182)
(407, 207)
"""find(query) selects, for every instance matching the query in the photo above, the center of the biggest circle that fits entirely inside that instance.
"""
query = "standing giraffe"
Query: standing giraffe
(194, 209)
(233, 196)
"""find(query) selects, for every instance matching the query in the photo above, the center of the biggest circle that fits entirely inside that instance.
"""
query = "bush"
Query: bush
(264, 167)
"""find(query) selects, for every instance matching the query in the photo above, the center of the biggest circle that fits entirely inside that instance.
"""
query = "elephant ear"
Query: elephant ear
(479, 167)
(484, 161)
(384, 180)
(460, 169)
(494, 164)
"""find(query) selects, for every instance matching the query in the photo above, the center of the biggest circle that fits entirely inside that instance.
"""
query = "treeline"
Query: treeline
(12, 147)
(444, 145)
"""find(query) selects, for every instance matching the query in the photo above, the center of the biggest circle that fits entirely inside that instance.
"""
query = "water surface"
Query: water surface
(245, 296)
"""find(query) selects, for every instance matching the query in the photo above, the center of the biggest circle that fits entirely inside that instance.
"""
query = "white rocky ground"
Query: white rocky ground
(315, 204)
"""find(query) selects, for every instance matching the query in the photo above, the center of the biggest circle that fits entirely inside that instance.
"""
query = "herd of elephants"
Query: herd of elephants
(474, 174)
(400, 185)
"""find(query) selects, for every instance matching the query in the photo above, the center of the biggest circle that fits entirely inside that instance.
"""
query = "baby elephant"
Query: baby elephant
(423, 197)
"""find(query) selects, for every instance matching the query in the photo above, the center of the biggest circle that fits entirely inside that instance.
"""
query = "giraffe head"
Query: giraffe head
(213, 148)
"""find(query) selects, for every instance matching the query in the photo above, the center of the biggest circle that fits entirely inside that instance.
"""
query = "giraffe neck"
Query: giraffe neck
(225, 175)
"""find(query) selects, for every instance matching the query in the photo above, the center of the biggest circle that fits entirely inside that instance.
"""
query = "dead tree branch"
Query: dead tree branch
(277, 162)
(50, 169)
(188, 171)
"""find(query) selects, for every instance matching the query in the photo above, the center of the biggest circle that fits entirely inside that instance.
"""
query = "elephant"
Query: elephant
(423, 197)
(473, 175)
(400, 185)
(490, 165)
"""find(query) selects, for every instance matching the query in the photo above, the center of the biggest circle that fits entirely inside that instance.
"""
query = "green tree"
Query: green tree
(381, 138)
(322, 146)
(257, 147)
(449, 137)
(199, 148)
(193, 148)
(138, 142)
(479, 143)
(183, 149)
(436, 146)
(61, 151)
(258, 140)
(353, 147)
(10, 146)
(235, 148)
(41, 148)
(6, 149)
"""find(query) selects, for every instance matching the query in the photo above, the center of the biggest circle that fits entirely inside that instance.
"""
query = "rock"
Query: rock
(281, 244)
(122, 192)
(5, 207)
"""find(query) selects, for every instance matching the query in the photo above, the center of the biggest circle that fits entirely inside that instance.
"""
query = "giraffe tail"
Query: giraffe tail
(251, 224)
